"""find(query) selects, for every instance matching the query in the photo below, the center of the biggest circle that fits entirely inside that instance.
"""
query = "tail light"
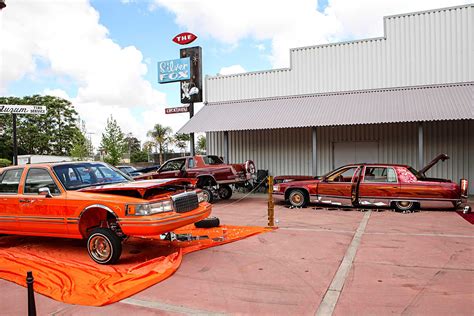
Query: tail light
(464, 185)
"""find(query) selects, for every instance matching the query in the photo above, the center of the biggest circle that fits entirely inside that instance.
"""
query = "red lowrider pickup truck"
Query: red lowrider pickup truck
(213, 175)
(95, 202)
(372, 185)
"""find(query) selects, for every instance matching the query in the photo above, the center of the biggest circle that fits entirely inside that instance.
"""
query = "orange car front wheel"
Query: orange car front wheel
(104, 246)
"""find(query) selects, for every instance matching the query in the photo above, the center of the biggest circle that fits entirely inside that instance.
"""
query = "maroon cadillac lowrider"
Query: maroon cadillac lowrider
(373, 185)
(213, 175)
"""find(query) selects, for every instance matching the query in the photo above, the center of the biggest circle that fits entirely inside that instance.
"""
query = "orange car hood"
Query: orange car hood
(139, 186)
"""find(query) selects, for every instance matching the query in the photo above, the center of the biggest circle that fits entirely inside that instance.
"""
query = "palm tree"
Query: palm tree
(162, 136)
(181, 141)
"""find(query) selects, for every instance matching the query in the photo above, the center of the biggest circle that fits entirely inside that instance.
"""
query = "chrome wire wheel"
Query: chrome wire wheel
(104, 246)
(405, 205)
(298, 198)
(100, 248)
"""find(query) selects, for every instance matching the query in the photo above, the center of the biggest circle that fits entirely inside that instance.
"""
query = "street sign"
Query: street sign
(22, 109)
(174, 70)
(184, 38)
(181, 109)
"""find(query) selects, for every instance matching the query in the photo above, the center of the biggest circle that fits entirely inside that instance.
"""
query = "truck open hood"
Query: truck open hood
(433, 162)
(141, 187)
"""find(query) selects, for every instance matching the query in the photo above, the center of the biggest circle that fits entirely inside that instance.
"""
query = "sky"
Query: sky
(102, 54)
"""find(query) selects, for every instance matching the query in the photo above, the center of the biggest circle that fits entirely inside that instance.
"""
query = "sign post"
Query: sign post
(191, 90)
(19, 109)
(188, 71)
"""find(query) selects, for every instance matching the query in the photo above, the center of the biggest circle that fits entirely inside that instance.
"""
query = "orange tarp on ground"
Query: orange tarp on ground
(63, 270)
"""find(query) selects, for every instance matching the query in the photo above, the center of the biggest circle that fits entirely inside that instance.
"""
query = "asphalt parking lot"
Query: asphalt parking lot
(318, 261)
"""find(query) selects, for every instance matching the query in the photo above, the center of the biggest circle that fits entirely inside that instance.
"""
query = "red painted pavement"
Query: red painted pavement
(415, 264)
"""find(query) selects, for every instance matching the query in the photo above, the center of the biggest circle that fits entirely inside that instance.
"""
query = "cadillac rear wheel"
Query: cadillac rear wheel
(104, 246)
(224, 191)
(298, 198)
(405, 206)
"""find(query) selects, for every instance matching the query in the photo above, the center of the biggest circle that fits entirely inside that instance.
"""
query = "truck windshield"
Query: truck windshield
(80, 175)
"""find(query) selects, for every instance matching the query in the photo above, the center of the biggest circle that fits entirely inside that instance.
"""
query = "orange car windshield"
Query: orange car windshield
(80, 175)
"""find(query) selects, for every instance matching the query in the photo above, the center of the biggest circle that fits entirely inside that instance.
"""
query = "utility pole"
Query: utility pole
(15, 142)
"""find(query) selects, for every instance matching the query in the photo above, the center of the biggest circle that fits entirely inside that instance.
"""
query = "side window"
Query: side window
(191, 163)
(379, 174)
(10, 180)
(344, 175)
(39, 178)
(174, 165)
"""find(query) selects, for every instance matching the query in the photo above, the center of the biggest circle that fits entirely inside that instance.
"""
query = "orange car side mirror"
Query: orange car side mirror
(45, 192)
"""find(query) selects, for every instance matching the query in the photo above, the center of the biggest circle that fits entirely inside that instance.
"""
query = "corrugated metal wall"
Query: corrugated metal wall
(288, 151)
(418, 49)
(282, 151)
(456, 140)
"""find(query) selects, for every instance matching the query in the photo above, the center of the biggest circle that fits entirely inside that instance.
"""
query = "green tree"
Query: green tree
(162, 137)
(4, 162)
(133, 144)
(82, 147)
(181, 141)
(139, 156)
(113, 144)
(201, 144)
(50, 134)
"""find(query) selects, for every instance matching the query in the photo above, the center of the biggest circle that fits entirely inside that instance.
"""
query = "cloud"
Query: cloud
(67, 39)
(234, 69)
(289, 24)
(286, 23)
(260, 47)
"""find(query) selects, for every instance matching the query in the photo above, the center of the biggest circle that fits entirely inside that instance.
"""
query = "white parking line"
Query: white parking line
(332, 294)
(168, 307)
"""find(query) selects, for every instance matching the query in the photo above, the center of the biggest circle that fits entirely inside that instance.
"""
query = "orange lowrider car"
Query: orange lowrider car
(96, 202)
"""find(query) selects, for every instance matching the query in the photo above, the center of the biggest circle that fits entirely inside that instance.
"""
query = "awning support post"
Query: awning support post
(226, 147)
(421, 159)
(314, 153)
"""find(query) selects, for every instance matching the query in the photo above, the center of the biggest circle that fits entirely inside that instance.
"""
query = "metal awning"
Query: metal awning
(407, 104)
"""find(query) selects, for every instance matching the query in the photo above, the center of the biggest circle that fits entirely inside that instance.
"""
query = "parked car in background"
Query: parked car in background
(93, 201)
(373, 185)
(129, 170)
(213, 176)
(148, 169)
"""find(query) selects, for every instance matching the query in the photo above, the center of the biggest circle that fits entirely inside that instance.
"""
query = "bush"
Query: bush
(139, 156)
(5, 163)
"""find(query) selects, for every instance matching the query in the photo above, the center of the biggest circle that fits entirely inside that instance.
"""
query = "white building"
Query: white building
(401, 98)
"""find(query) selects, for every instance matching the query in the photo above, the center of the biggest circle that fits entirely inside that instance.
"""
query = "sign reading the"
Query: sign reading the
(191, 90)
(181, 109)
(184, 38)
(22, 109)
(174, 70)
